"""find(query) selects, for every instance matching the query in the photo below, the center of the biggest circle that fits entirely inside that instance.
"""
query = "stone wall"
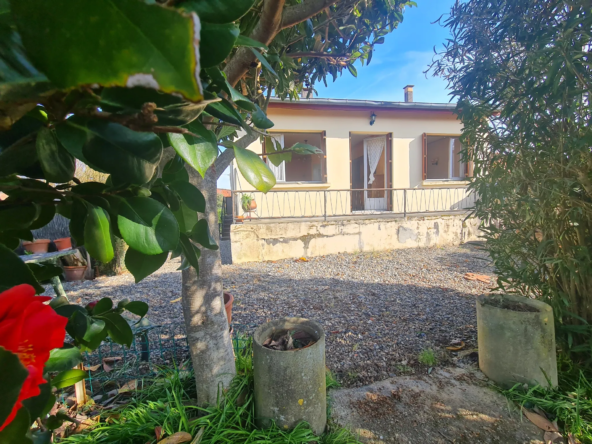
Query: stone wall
(265, 241)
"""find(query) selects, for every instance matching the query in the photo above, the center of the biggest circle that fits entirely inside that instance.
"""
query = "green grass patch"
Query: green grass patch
(168, 401)
(570, 403)
(427, 357)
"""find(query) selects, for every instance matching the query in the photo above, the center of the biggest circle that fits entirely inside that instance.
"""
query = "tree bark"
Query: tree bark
(206, 325)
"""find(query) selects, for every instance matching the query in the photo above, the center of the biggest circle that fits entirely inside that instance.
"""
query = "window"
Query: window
(302, 168)
(441, 158)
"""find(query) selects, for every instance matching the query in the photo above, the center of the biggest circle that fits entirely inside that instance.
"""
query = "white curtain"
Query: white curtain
(278, 171)
(374, 148)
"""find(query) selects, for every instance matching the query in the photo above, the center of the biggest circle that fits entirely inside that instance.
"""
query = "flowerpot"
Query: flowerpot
(253, 205)
(290, 385)
(65, 243)
(516, 337)
(74, 273)
(37, 246)
(228, 300)
(239, 219)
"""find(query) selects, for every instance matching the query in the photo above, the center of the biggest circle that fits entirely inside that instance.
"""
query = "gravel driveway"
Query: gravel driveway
(380, 310)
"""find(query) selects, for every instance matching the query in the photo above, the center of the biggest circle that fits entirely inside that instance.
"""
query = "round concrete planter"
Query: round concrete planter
(290, 385)
(516, 346)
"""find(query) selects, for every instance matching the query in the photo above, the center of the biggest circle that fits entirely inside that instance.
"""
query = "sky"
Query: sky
(401, 60)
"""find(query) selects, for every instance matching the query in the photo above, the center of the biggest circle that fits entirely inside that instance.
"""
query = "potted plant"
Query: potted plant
(289, 377)
(37, 246)
(76, 271)
(516, 337)
(64, 243)
(248, 203)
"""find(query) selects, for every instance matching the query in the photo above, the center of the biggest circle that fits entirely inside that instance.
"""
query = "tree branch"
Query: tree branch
(264, 32)
(303, 11)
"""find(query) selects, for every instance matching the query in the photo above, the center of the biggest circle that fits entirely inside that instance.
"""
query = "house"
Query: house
(384, 166)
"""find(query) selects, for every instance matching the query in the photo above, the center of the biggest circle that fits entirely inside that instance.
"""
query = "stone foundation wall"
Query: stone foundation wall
(265, 241)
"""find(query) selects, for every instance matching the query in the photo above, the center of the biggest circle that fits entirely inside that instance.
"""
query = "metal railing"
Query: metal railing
(334, 203)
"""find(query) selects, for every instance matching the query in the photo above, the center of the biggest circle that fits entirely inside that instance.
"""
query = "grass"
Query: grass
(167, 401)
(570, 403)
(427, 357)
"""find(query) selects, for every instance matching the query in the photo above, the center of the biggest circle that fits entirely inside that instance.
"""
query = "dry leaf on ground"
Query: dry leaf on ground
(478, 277)
(301, 259)
(539, 421)
(107, 361)
(456, 347)
(553, 438)
(129, 386)
(158, 432)
(176, 438)
(176, 300)
(92, 368)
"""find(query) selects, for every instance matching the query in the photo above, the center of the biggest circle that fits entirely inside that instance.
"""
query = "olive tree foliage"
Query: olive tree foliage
(521, 73)
(115, 83)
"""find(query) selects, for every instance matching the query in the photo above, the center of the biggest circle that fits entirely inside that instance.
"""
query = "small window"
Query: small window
(442, 159)
(302, 168)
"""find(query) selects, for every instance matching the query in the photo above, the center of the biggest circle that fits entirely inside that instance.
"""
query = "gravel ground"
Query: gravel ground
(380, 310)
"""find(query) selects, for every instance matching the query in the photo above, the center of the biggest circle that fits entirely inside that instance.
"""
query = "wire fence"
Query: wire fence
(153, 347)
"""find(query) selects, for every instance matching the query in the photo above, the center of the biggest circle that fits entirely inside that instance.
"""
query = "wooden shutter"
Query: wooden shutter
(324, 160)
(424, 156)
(389, 171)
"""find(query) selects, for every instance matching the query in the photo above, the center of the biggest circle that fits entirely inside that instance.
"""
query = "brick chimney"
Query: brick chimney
(408, 93)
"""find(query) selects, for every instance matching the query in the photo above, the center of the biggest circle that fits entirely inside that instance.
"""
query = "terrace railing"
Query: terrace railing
(338, 203)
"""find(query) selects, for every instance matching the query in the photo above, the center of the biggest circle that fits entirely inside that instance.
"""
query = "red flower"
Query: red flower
(30, 329)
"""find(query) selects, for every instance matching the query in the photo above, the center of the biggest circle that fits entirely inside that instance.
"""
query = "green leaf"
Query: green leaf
(15, 432)
(61, 359)
(78, 325)
(73, 136)
(142, 265)
(129, 156)
(46, 214)
(61, 39)
(202, 235)
(37, 404)
(17, 216)
(138, 308)
(58, 164)
(225, 111)
(186, 218)
(95, 334)
(103, 306)
(264, 62)
(15, 272)
(260, 119)
(352, 69)
(304, 149)
(190, 251)
(197, 152)
(78, 217)
(171, 175)
(12, 377)
(190, 196)
(97, 235)
(239, 99)
(68, 378)
(147, 225)
(219, 11)
(43, 272)
(217, 40)
(272, 146)
(118, 328)
(248, 42)
(254, 170)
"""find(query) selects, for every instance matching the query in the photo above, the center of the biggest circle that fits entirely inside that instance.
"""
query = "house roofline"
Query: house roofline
(350, 104)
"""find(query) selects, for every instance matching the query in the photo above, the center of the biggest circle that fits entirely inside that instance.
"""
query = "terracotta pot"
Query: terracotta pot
(74, 273)
(240, 218)
(253, 205)
(228, 300)
(65, 243)
(37, 246)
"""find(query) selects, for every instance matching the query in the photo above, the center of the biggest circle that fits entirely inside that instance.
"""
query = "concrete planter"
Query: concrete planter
(290, 385)
(516, 338)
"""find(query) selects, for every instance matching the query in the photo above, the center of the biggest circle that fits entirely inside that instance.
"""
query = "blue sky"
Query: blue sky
(400, 61)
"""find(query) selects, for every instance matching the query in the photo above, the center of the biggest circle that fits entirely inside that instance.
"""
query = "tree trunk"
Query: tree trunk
(208, 334)
(117, 265)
